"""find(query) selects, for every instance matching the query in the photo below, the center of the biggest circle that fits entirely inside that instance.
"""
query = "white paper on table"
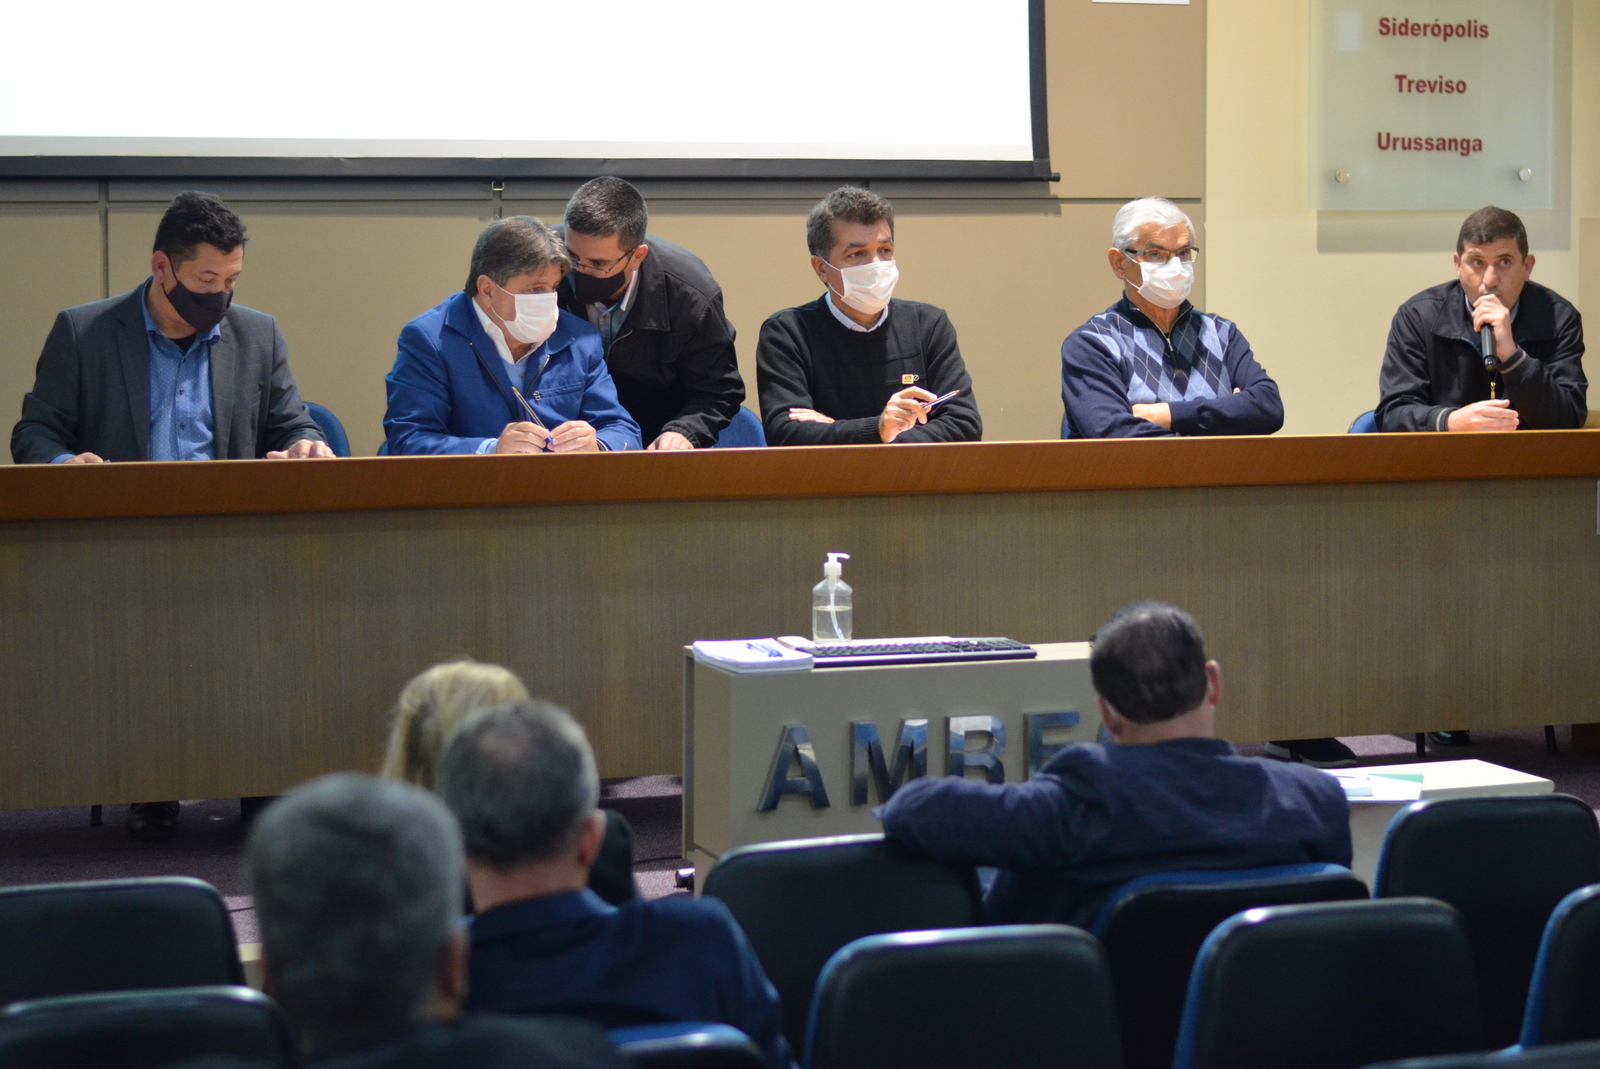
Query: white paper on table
(1376, 787)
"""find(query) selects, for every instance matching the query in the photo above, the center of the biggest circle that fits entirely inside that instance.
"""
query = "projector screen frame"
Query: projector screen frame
(499, 168)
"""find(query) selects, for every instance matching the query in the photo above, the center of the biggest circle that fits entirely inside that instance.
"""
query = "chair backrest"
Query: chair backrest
(1366, 423)
(1020, 996)
(689, 1045)
(1331, 985)
(331, 428)
(743, 432)
(1153, 926)
(1561, 1056)
(1564, 995)
(1503, 864)
(114, 935)
(145, 1029)
(800, 901)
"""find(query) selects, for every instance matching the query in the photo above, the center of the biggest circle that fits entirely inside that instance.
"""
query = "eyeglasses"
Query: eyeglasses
(1161, 256)
(602, 268)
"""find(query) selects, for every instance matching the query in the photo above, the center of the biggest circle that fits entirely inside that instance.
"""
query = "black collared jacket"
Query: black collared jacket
(1432, 364)
(673, 363)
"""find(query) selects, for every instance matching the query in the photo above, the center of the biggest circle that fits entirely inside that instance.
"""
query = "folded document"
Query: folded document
(1378, 786)
(752, 655)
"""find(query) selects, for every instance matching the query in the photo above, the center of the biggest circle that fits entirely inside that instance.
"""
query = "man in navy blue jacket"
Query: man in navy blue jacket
(1166, 795)
(498, 367)
(1153, 364)
(521, 781)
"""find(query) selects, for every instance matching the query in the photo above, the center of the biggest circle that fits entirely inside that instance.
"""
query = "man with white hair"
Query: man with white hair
(1153, 364)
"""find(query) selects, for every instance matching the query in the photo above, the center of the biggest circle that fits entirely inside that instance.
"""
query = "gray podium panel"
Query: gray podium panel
(791, 755)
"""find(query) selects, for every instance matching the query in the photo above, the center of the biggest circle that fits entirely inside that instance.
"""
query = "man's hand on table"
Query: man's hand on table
(1160, 414)
(905, 410)
(670, 440)
(304, 449)
(84, 458)
(1483, 416)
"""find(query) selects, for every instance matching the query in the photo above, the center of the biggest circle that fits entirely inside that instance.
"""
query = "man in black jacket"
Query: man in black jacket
(669, 347)
(856, 366)
(1435, 377)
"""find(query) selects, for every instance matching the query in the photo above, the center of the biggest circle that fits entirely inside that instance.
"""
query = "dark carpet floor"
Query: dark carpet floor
(55, 845)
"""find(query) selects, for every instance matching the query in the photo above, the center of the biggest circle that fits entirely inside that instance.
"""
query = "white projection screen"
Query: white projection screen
(430, 88)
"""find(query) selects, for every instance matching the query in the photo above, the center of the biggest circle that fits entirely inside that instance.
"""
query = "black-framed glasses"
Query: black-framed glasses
(601, 268)
(1161, 256)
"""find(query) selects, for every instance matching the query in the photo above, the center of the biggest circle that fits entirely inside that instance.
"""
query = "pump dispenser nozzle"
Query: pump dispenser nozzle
(830, 602)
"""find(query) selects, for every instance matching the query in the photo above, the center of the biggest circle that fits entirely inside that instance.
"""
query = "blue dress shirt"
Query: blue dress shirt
(182, 424)
(1096, 816)
(673, 959)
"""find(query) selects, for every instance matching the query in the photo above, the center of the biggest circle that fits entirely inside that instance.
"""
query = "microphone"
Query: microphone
(1486, 346)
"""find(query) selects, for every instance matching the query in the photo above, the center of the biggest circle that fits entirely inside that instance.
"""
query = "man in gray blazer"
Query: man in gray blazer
(171, 370)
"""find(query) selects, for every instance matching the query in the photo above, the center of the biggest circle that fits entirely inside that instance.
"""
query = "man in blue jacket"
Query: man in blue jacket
(1165, 795)
(522, 783)
(1153, 364)
(498, 367)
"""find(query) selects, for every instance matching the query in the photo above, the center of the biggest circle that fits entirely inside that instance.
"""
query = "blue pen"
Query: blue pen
(759, 648)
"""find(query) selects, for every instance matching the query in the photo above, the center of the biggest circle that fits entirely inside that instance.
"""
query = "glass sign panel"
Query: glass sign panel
(1421, 104)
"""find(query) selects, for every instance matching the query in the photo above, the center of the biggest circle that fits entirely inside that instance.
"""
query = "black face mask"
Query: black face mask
(202, 311)
(591, 290)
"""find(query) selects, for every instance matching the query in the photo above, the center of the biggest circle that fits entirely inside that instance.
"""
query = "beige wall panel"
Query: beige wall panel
(342, 280)
(214, 657)
(1318, 321)
(1588, 298)
(1127, 98)
(49, 260)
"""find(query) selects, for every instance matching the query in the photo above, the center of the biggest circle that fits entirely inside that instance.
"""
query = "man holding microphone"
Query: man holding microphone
(1440, 373)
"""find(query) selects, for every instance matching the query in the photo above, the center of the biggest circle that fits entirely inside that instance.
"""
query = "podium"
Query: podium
(800, 754)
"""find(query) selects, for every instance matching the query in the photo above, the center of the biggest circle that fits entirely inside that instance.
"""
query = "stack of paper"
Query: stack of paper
(1378, 786)
(752, 655)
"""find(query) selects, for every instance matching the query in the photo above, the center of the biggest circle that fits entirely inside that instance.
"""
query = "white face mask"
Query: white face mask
(536, 319)
(1167, 285)
(867, 287)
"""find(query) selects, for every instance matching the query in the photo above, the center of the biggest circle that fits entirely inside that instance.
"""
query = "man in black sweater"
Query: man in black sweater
(669, 346)
(855, 366)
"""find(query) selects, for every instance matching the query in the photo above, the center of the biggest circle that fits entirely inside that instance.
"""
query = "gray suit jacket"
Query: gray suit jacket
(91, 392)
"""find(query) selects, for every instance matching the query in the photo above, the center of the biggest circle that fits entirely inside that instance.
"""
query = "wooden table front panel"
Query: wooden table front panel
(212, 656)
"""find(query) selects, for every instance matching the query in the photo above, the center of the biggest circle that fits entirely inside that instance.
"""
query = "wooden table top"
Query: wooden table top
(241, 487)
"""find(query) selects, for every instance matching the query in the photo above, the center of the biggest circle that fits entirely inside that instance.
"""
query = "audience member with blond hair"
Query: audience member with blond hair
(430, 708)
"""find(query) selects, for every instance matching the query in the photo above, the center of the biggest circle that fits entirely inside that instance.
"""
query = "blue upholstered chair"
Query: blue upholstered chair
(1024, 996)
(1503, 864)
(743, 432)
(1331, 985)
(689, 1045)
(146, 1029)
(1153, 927)
(331, 429)
(801, 900)
(1559, 1056)
(1564, 995)
(1366, 423)
(114, 935)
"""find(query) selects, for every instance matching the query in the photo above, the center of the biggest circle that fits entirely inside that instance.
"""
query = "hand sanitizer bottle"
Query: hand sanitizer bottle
(830, 603)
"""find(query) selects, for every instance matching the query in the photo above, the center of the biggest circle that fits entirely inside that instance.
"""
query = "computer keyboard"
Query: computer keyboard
(865, 652)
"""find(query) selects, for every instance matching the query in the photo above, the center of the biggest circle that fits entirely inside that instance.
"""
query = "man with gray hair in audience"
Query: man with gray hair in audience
(357, 884)
(1152, 363)
(521, 780)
